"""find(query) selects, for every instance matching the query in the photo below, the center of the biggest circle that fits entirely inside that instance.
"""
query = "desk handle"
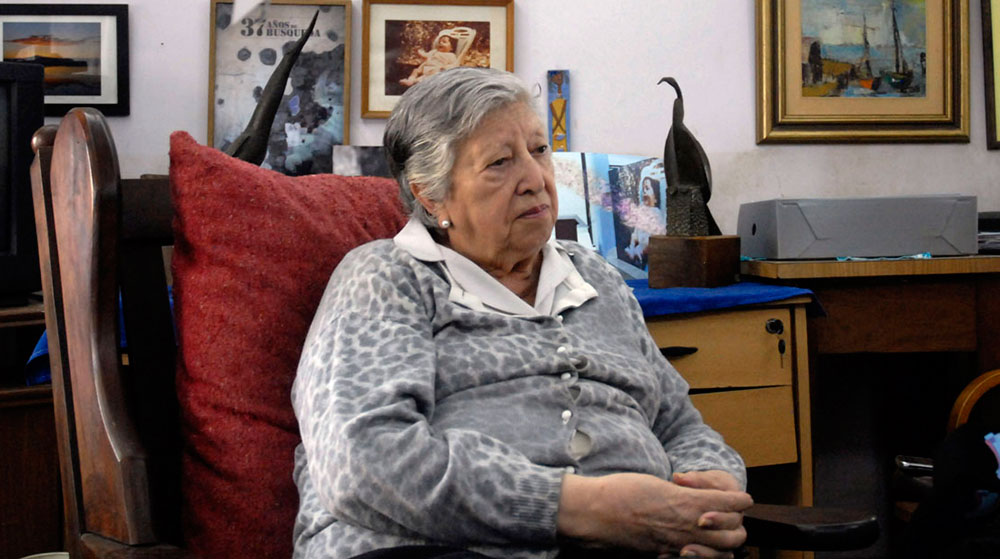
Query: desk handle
(673, 351)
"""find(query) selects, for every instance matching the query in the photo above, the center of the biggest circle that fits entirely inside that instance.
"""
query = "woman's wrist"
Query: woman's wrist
(579, 501)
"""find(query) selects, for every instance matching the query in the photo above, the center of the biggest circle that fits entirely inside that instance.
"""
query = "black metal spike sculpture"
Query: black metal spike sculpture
(689, 177)
(251, 144)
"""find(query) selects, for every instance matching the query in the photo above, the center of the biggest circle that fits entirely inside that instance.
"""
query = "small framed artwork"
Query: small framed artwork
(614, 202)
(313, 114)
(407, 40)
(991, 34)
(862, 71)
(83, 47)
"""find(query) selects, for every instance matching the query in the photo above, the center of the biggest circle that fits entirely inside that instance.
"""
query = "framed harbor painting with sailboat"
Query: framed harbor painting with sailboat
(862, 71)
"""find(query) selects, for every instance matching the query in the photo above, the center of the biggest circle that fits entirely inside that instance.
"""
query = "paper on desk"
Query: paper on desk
(920, 256)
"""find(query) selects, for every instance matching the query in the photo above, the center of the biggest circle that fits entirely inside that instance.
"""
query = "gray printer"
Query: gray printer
(942, 225)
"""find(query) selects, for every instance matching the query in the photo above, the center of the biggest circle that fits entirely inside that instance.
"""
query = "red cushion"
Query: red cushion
(254, 250)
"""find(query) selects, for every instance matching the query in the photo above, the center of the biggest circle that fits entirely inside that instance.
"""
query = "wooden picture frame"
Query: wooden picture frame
(396, 32)
(84, 48)
(862, 89)
(314, 114)
(991, 29)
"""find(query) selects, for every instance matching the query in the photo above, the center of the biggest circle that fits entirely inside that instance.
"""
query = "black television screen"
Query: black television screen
(21, 106)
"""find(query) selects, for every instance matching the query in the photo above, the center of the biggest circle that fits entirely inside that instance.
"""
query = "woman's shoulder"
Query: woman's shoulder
(382, 266)
(380, 257)
(377, 275)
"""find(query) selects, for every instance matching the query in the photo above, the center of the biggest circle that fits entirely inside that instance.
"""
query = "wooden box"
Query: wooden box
(693, 261)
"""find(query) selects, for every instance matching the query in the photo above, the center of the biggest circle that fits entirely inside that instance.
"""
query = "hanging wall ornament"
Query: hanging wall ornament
(559, 110)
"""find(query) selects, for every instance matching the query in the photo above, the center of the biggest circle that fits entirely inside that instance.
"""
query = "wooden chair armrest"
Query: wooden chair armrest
(103, 548)
(809, 528)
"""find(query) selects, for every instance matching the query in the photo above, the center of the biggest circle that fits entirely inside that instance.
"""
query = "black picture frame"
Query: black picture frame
(989, 59)
(107, 89)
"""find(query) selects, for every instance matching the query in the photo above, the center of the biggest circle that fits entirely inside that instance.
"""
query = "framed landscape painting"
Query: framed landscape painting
(407, 40)
(313, 114)
(83, 47)
(862, 70)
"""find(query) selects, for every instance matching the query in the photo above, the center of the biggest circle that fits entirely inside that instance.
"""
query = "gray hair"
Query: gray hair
(432, 118)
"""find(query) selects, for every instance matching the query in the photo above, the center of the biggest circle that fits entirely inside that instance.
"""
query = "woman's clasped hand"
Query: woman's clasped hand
(700, 513)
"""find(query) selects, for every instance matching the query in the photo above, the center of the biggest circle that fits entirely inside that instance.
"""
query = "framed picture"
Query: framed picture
(408, 40)
(862, 71)
(313, 115)
(616, 202)
(83, 47)
(991, 29)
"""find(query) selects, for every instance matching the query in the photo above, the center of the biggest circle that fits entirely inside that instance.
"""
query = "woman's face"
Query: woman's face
(648, 192)
(444, 43)
(502, 203)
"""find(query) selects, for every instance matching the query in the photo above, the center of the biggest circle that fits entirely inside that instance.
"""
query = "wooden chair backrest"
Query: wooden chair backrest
(117, 424)
(975, 394)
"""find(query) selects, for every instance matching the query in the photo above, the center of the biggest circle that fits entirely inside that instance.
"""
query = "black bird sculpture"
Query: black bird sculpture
(251, 144)
(689, 177)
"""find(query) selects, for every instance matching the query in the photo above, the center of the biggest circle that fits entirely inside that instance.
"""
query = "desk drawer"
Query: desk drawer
(734, 347)
(758, 422)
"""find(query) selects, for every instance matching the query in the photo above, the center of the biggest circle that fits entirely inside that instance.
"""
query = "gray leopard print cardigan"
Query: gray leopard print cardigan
(424, 422)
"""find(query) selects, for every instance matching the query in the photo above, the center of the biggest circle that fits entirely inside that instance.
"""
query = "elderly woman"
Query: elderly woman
(474, 387)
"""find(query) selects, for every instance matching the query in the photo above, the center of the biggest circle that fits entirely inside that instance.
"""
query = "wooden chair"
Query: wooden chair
(119, 461)
(117, 422)
(981, 392)
(913, 479)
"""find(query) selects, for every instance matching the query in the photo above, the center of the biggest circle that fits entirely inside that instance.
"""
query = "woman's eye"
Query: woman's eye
(499, 162)
(544, 148)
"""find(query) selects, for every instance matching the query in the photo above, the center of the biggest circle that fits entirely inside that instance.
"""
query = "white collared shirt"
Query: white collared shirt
(560, 286)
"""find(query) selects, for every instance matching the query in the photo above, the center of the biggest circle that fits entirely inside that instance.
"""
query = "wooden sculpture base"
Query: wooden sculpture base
(693, 261)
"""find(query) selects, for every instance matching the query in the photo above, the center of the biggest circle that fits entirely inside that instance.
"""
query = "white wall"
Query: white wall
(615, 51)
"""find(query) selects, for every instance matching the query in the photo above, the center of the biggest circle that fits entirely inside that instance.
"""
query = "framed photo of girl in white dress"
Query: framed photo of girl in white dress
(406, 41)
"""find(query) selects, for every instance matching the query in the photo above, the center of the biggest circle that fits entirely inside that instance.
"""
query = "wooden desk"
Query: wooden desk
(750, 380)
(30, 506)
(885, 320)
(938, 304)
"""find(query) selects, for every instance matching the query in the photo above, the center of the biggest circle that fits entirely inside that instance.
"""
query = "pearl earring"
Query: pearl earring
(445, 224)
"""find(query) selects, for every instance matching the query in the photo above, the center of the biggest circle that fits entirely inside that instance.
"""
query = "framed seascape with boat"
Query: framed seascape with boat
(83, 48)
(862, 71)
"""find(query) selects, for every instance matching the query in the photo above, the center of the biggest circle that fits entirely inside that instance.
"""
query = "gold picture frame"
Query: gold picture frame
(314, 113)
(396, 32)
(797, 104)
